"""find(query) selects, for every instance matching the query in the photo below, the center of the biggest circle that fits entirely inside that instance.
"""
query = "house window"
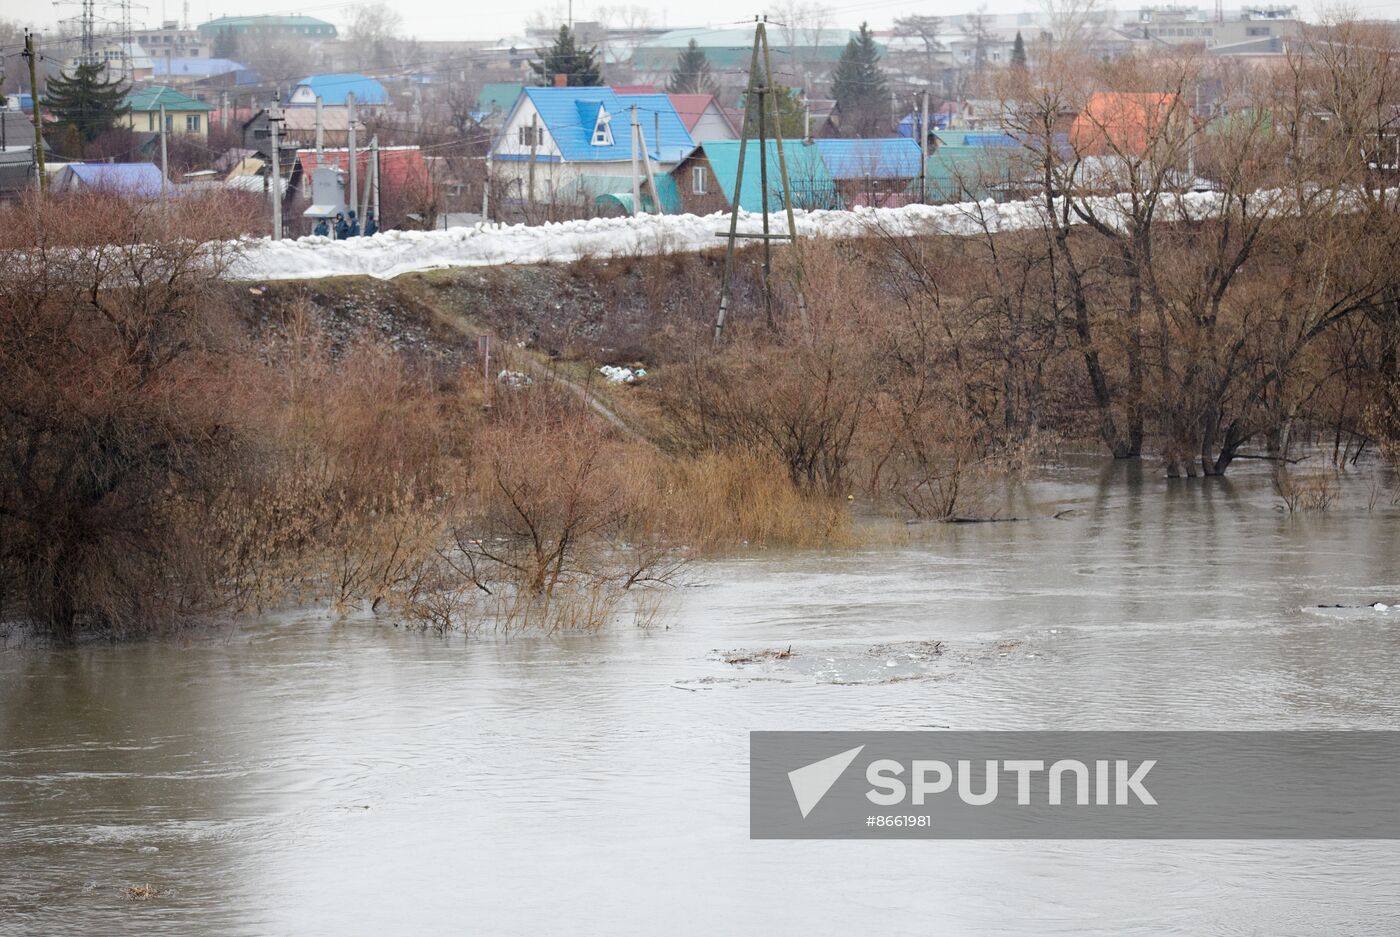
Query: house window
(602, 129)
(697, 180)
(191, 123)
(531, 136)
(151, 122)
(169, 123)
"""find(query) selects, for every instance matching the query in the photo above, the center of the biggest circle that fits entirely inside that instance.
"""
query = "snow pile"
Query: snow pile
(622, 375)
(391, 253)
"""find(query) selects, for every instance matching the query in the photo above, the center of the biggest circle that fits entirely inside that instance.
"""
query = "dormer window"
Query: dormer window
(602, 129)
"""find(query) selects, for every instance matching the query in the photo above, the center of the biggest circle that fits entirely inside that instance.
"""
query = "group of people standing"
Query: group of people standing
(343, 228)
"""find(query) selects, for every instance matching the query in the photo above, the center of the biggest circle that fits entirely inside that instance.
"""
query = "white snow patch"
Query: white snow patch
(622, 375)
(391, 253)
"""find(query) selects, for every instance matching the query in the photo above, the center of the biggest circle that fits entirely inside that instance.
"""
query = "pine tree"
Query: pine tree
(565, 58)
(226, 44)
(86, 101)
(692, 72)
(862, 98)
(791, 117)
(1018, 53)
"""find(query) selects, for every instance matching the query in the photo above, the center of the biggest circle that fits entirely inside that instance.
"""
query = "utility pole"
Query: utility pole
(763, 196)
(534, 149)
(806, 121)
(350, 143)
(320, 131)
(641, 143)
(372, 169)
(164, 162)
(636, 181)
(923, 148)
(32, 59)
(485, 192)
(377, 220)
(763, 93)
(274, 119)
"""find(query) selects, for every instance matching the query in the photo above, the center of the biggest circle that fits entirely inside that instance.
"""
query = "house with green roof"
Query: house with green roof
(706, 180)
(970, 173)
(730, 49)
(497, 97)
(304, 27)
(183, 114)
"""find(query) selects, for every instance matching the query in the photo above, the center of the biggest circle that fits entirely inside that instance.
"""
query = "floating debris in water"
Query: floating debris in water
(753, 657)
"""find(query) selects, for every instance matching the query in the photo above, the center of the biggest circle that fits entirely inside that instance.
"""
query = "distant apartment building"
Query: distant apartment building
(173, 41)
(1178, 25)
(303, 27)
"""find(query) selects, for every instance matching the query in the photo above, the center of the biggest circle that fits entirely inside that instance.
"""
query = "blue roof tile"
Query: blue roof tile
(142, 179)
(333, 88)
(570, 114)
(891, 158)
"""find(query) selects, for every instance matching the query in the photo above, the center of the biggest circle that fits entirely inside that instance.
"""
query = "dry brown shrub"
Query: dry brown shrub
(717, 500)
(118, 410)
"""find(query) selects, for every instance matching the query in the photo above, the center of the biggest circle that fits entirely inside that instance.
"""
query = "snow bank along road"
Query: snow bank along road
(391, 253)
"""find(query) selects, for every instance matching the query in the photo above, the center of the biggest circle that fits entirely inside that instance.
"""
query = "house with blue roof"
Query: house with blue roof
(333, 88)
(188, 70)
(141, 180)
(574, 136)
(874, 172)
(707, 180)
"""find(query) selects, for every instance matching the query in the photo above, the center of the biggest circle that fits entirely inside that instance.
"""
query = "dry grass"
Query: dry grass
(1312, 492)
(719, 500)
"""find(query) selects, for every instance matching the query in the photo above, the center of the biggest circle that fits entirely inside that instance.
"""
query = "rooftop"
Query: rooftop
(158, 96)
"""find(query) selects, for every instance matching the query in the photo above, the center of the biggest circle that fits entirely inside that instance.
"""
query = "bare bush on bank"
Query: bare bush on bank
(161, 462)
(118, 405)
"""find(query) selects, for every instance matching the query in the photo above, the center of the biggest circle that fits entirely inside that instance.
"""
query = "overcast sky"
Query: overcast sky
(452, 19)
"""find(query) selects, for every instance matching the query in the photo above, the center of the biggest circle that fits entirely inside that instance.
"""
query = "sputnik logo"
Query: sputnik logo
(811, 782)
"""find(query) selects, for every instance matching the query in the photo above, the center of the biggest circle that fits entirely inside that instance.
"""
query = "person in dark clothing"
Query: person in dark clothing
(342, 230)
(322, 230)
(354, 225)
(371, 226)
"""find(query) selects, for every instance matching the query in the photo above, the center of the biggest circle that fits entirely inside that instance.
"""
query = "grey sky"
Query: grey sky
(446, 19)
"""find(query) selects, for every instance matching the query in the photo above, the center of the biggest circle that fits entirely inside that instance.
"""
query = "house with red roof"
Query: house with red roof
(1123, 123)
(703, 117)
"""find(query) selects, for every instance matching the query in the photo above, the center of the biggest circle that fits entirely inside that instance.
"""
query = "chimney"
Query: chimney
(561, 81)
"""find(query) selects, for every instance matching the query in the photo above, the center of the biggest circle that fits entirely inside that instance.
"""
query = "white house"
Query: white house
(578, 139)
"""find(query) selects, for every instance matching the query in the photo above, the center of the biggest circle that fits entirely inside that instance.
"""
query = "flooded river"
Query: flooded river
(304, 776)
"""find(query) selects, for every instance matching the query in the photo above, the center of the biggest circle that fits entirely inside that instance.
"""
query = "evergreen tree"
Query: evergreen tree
(791, 116)
(692, 72)
(858, 84)
(86, 101)
(1018, 53)
(565, 58)
(226, 44)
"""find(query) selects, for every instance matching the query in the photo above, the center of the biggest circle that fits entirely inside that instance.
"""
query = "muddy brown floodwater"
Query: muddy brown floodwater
(305, 776)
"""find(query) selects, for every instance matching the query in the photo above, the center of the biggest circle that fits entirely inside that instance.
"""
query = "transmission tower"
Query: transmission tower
(87, 48)
(128, 72)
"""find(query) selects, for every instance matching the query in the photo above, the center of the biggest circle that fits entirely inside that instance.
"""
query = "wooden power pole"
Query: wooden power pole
(32, 59)
(274, 120)
(765, 94)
